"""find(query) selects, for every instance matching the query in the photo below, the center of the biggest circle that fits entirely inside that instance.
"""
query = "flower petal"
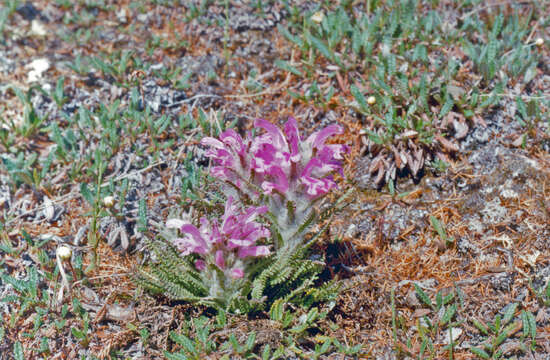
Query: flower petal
(221, 156)
(316, 187)
(254, 251)
(279, 183)
(219, 259)
(237, 273)
(291, 131)
(234, 140)
(188, 245)
(253, 212)
(195, 235)
(264, 158)
(221, 172)
(276, 135)
(234, 243)
(200, 264)
(213, 142)
(337, 150)
(317, 139)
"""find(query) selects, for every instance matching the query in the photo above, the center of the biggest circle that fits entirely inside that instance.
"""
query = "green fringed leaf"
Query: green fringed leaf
(480, 352)
(422, 295)
(172, 275)
(359, 97)
(184, 341)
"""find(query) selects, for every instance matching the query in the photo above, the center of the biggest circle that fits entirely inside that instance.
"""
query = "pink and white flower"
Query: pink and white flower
(278, 162)
(222, 245)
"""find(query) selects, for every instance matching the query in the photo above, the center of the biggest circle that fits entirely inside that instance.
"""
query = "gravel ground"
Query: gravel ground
(493, 201)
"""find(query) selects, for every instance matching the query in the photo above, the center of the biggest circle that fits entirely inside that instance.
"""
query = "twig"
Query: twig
(470, 13)
(193, 98)
(532, 32)
(521, 96)
(100, 277)
(64, 281)
(265, 92)
(405, 282)
(475, 281)
(360, 270)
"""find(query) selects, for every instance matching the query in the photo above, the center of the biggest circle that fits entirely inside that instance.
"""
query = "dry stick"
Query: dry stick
(532, 32)
(475, 280)
(100, 277)
(405, 282)
(265, 92)
(194, 98)
(100, 314)
(527, 97)
(470, 13)
(64, 281)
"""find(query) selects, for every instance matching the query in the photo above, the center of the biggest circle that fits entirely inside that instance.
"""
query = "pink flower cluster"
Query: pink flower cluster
(225, 245)
(277, 169)
(278, 162)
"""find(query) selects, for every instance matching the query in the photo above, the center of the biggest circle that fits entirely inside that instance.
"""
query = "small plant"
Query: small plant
(501, 329)
(116, 65)
(58, 94)
(202, 337)
(20, 171)
(542, 294)
(8, 8)
(441, 317)
(30, 299)
(446, 240)
(29, 294)
(284, 173)
(240, 264)
(78, 65)
(224, 252)
(414, 96)
(94, 198)
(32, 122)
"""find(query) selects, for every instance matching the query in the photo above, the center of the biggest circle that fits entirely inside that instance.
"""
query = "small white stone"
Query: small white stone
(38, 29)
(64, 252)
(508, 193)
(494, 212)
(121, 16)
(454, 334)
(352, 231)
(49, 210)
(531, 259)
(142, 18)
(37, 68)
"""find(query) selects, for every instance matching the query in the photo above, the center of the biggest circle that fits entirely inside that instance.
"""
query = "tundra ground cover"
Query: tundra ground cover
(442, 252)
